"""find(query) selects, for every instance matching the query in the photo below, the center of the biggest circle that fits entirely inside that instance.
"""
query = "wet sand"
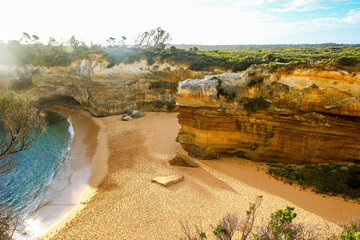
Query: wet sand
(83, 163)
(128, 205)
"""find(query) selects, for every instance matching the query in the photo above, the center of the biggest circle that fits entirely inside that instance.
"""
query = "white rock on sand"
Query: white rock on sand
(168, 180)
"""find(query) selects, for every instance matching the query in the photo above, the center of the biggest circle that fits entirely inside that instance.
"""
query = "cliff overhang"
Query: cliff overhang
(104, 90)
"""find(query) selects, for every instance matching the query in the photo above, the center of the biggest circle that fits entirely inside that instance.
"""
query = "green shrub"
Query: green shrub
(163, 85)
(256, 80)
(332, 179)
(150, 61)
(159, 105)
(349, 235)
(256, 104)
(280, 226)
(281, 223)
(347, 61)
(221, 91)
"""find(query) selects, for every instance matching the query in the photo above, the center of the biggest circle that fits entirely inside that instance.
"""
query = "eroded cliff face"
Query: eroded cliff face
(106, 91)
(301, 114)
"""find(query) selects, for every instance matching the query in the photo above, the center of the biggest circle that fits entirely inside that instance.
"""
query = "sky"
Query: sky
(207, 22)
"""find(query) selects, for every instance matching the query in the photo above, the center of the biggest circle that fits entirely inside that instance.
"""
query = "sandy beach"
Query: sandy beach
(127, 205)
(82, 170)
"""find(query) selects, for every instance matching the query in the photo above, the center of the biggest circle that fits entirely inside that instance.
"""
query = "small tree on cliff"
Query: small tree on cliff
(21, 124)
(52, 41)
(155, 38)
(25, 36)
(111, 41)
(75, 43)
(33, 39)
(122, 41)
(160, 38)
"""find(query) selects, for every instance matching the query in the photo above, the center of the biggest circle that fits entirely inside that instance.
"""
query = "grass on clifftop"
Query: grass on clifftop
(38, 54)
(330, 179)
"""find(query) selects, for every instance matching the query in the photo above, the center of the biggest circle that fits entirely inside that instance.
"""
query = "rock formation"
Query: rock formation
(104, 90)
(181, 158)
(287, 113)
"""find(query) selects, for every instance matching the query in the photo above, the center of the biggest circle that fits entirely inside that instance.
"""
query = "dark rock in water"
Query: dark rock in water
(181, 158)
(136, 114)
(126, 118)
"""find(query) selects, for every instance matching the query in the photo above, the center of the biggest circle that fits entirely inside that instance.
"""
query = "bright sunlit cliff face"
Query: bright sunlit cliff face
(199, 21)
(298, 115)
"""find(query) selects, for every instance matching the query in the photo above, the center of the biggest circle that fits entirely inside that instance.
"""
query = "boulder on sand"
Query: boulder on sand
(181, 158)
(136, 114)
(126, 118)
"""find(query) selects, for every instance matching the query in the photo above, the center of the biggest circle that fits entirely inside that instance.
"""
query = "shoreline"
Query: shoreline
(84, 147)
(128, 205)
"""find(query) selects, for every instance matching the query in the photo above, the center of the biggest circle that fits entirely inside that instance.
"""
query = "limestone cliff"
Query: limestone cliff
(105, 91)
(295, 114)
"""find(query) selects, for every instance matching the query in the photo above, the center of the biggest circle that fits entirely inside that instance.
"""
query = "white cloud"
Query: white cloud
(188, 21)
(247, 3)
(229, 22)
(328, 24)
(305, 5)
(268, 17)
(353, 16)
(234, 3)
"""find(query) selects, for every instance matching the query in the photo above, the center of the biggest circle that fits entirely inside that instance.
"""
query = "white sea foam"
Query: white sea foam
(71, 129)
(29, 227)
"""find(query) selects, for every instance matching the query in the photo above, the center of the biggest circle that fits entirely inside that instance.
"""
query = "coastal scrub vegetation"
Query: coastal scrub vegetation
(330, 179)
(280, 226)
(159, 105)
(229, 96)
(241, 59)
(256, 104)
(151, 45)
(163, 85)
(21, 124)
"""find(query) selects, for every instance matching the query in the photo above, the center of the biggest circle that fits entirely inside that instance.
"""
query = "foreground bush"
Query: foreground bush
(280, 226)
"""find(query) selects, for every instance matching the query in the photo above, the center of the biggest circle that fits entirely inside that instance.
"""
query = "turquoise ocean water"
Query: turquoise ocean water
(37, 166)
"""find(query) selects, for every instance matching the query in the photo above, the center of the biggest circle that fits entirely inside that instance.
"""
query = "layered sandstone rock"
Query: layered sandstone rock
(181, 158)
(105, 91)
(295, 114)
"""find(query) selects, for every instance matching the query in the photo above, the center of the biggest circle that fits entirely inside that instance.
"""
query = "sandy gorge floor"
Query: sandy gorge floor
(129, 206)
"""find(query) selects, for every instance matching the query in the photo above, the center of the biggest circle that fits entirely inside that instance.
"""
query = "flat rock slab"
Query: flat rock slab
(168, 180)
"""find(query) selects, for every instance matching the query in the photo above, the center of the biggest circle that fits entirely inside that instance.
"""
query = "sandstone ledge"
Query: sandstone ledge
(305, 115)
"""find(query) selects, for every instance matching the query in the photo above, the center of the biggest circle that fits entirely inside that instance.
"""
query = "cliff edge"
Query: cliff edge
(100, 88)
(286, 113)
